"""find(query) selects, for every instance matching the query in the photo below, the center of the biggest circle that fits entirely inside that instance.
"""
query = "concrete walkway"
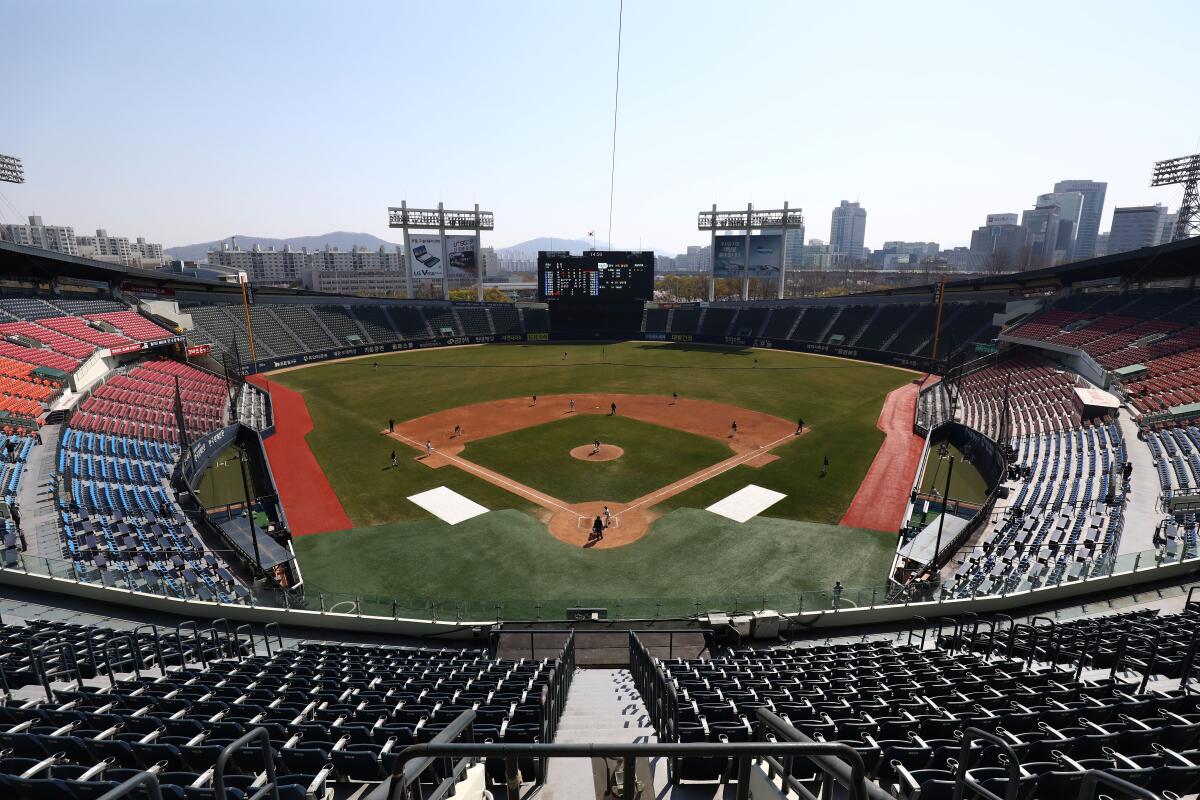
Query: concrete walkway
(603, 706)
(39, 520)
(1141, 512)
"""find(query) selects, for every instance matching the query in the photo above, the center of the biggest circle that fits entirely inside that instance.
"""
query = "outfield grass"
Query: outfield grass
(399, 548)
(540, 457)
(351, 401)
(507, 557)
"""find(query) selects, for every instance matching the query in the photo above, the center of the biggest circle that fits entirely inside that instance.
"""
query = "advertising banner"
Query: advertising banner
(766, 256)
(462, 258)
(425, 259)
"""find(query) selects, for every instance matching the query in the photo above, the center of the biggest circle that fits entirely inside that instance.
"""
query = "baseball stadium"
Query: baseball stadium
(903, 542)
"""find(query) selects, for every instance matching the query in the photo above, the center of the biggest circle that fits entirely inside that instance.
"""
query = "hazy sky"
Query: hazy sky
(189, 121)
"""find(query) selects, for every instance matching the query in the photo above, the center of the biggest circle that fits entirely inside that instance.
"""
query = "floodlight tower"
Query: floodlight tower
(11, 169)
(1186, 171)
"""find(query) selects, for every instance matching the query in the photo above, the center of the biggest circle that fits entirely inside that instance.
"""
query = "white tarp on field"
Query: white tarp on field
(448, 505)
(746, 503)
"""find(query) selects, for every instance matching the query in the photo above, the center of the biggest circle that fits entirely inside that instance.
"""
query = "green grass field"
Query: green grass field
(399, 549)
(540, 457)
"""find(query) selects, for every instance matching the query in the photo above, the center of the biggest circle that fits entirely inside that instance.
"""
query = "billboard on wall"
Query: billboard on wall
(425, 257)
(461, 255)
(766, 256)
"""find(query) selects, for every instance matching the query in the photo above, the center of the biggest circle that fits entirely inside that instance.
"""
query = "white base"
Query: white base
(448, 505)
(746, 503)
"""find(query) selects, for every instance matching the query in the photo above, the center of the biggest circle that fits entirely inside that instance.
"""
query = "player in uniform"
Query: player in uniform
(595, 447)
(428, 448)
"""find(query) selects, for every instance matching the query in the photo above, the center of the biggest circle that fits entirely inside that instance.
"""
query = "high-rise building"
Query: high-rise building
(1041, 229)
(1089, 216)
(119, 250)
(1134, 227)
(1168, 228)
(847, 232)
(1101, 245)
(1070, 206)
(58, 238)
(1002, 243)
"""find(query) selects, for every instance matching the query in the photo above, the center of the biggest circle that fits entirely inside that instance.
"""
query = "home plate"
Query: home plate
(448, 505)
(745, 503)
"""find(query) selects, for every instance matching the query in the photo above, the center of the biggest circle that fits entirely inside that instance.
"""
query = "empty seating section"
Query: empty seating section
(685, 320)
(302, 324)
(1176, 454)
(505, 319)
(254, 407)
(1039, 398)
(120, 525)
(884, 326)
(441, 321)
(333, 713)
(269, 331)
(1172, 380)
(410, 322)
(905, 710)
(30, 308)
(12, 469)
(339, 323)
(780, 323)
(656, 320)
(222, 327)
(537, 320)
(963, 324)
(38, 357)
(715, 321)
(813, 321)
(933, 406)
(1060, 525)
(82, 306)
(846, 327)
(1048, 324)
(474, 320)
(141, 402)
(1093, 330)
(76, 328)
(133, 325)
(53, 340)
(376, 323)
(749, 321)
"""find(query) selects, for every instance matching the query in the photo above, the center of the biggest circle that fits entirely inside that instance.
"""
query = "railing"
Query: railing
(475, 611)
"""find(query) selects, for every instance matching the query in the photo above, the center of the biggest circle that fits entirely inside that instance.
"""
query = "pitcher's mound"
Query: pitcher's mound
(587, 452)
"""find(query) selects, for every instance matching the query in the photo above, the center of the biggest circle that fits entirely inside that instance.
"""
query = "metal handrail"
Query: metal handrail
(147, 779)
(963, 780)
(237, 640)
(158, 652)
(261, 735)
(854, 778)
(1128, 790)
(267, 635)
(197, 645)
(66, 653)
(135, 654)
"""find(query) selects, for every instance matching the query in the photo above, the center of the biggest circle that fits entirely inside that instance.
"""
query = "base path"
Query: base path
(757, 435)
(882, 497)
(310, 502)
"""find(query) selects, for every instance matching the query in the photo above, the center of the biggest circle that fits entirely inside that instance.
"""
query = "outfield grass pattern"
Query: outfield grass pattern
(506, 558)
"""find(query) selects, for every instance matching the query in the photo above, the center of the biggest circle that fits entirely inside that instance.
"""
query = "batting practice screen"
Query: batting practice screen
(596, 276)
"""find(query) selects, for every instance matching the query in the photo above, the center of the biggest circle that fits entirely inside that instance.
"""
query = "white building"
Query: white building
(58, 238)
(847, 232)
(360, 282)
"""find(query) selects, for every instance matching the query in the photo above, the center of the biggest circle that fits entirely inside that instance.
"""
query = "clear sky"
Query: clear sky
(190, 121)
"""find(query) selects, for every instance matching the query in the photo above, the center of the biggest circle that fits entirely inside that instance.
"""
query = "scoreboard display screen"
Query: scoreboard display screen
(596, 276)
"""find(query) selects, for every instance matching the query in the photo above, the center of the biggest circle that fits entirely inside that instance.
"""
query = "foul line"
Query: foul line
(554, 504)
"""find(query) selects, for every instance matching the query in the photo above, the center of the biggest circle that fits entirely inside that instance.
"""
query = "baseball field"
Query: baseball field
(670, 451)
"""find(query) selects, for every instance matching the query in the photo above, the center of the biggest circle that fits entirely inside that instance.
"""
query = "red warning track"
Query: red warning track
(312, 506)
(883, 495)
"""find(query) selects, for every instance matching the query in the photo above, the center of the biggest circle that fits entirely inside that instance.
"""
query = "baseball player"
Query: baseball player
(733, 429)
(428, 448)
(570, 406)
(457, 431)
(607, 517)
(535, 399)
(595, 447)
(394, 463)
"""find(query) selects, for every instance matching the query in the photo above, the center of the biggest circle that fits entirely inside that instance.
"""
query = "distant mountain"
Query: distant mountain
(532, 246)
(342, 240)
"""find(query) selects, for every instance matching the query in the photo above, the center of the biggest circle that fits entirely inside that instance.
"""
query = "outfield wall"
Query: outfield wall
(854, 353)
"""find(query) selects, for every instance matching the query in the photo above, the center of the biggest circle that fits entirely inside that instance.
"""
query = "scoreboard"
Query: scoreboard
(596, 276)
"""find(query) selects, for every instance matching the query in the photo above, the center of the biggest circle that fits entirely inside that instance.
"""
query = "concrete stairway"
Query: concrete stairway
(603, 706)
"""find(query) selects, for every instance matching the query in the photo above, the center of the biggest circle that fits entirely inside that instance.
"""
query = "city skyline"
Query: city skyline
(304, 131)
